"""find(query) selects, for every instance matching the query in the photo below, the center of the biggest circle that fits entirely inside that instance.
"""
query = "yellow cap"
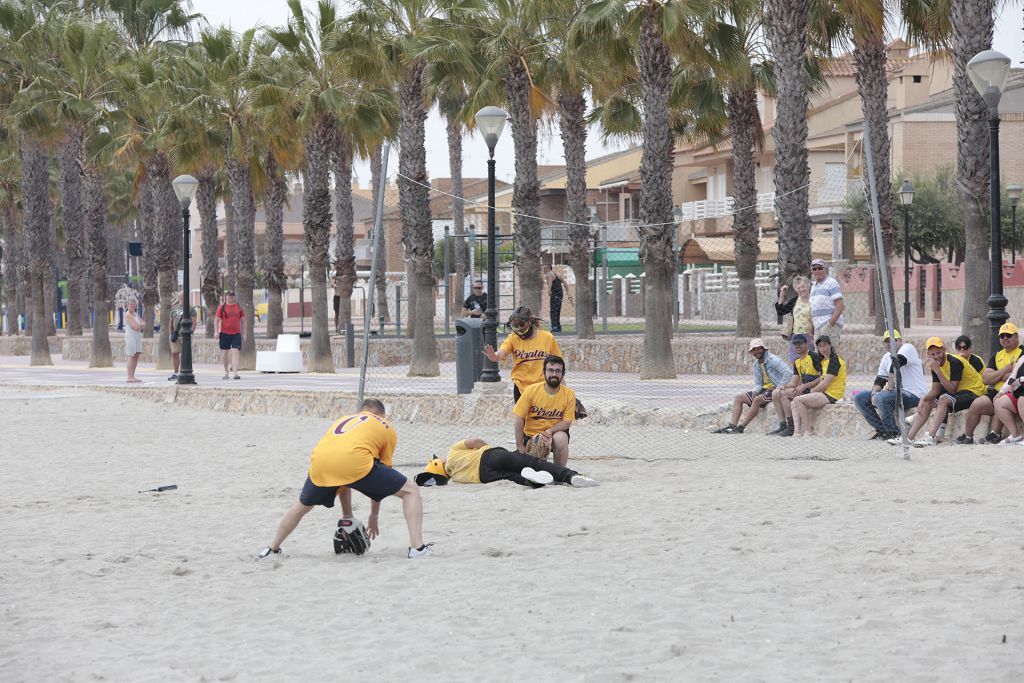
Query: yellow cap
(435, 466)
(895, 335)
(934, 341)
(433, 474)
(1008, 328)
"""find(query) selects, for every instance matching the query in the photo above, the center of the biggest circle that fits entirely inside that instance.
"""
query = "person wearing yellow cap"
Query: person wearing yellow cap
(474, 461)
(956, 383)
(994, 375)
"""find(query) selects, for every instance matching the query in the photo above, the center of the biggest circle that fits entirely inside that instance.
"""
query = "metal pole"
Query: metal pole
(447, 293)
(490, 326)
(604, 278)
(378, 230)
(885, 280)
(1013, 233)
(997, 314)
(906, 267)
(185, 374)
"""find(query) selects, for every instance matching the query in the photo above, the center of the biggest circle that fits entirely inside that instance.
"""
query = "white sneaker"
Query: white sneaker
(267, 552)
(895, 441)
(909, 419)
(1012, 441)
(423, 551)
(542, 477)
(926, 440)
(940, 432)
(581, 482)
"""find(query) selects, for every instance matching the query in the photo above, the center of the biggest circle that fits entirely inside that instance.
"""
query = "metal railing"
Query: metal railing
(717, 208)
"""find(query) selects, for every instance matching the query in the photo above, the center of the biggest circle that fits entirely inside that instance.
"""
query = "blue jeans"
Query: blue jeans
(880, 409)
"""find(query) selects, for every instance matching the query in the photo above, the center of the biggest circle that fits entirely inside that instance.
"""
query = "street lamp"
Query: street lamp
(988, 71)
(184, 188)
(1014, 191)
(491, 121)
(906, 199)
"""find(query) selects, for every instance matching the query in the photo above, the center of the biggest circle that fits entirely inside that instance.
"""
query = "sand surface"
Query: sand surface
(718, 557)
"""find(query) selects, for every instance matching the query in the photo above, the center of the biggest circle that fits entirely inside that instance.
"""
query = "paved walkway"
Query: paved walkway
(625, 388)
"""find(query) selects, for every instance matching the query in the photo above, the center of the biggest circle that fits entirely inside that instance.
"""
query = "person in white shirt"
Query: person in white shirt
(879, 405)
(827, 303)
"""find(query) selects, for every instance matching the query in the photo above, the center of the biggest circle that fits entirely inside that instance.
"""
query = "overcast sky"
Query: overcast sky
(243, 14)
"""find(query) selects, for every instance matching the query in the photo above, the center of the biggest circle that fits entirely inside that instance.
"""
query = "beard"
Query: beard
(554, 382)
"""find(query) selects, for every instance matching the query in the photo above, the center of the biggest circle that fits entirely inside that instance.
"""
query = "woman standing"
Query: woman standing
(799, 308)
(133, 326)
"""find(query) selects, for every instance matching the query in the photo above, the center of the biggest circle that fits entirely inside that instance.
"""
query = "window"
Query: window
(917, 79)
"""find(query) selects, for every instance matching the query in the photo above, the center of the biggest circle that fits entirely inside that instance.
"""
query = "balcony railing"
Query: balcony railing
(717, 208)
(617, 231)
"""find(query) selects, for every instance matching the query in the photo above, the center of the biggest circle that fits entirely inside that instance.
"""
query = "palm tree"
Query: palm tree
(786, 30)
(96, 231)
(273, 257)
(973, 26)
(9, 219)
(380, 257)
(395, 31)
(344, 244)
(206, 203)
(38, 239)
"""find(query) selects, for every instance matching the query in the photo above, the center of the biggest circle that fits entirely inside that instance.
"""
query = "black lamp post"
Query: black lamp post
(184, 188)
(491, 121)
(1013, 190)
(988, 71)
(906, 199)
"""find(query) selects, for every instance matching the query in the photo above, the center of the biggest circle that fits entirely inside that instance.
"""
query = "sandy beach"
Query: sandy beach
(714, 557)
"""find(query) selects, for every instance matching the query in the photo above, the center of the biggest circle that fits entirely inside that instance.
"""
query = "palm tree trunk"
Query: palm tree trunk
(229, 241)
(743, 122)
(417, 232)
(167, 215)
(376, 160)
(344, 246)
(244, 206)
(787, 38)
(316, 221)
(96, 231)
(206, 202)
(454, 129)
(73, 221)
(973, 26)
(869, 57)
(273, 266)
(36, 214)
(572, 106)
(655, 64)
(12, 255)
(526, 189)
(148, 228)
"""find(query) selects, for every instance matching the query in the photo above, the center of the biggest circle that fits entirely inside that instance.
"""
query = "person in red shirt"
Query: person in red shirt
(230, 329)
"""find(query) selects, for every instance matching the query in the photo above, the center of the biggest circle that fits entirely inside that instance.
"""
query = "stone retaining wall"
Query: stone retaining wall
(693, 354)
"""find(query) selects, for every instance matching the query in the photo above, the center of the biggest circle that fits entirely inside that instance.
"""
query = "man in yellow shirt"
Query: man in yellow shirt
(528, 346)
(473, 461)
(547, 408)
(356, 453)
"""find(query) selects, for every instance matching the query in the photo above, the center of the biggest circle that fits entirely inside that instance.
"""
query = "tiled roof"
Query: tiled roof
(898, 57)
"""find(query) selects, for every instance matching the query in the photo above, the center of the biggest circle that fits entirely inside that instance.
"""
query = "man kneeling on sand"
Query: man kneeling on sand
(473, 461)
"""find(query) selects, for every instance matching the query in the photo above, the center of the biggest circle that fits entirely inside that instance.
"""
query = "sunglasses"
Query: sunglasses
(817, 268)
(1005, 336)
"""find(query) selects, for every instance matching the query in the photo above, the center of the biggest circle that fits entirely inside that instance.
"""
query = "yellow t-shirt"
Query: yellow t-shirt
(528, 356)
(835, 366)
(767, 384)
(808, 368)
(540, 410)
(463, 463)
(346, 452)
(966, 372)
(1002, 359)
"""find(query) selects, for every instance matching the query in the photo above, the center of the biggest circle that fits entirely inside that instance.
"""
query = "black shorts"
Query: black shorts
(230, 341)
(379, 483)
(766, 393)
(515, 394)
(992, 393)
(831, 400)
(961, 400)
(337, 304)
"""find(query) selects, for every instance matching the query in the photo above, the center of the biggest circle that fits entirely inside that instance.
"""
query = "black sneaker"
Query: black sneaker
(992, 437)
(964, 440)
(733, 429)
(788, 431)
(877, 435)
(778, 429)
(172, 378)
(723, 430)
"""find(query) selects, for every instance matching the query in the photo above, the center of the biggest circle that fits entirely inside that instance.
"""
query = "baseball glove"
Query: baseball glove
(350, 537)
(538, 447)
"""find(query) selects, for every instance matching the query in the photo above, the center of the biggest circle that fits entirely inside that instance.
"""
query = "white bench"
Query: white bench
(287, 357)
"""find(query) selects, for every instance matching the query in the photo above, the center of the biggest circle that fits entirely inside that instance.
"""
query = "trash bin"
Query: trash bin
(469, 348)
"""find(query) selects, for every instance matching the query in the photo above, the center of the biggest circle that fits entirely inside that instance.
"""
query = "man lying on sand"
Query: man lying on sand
(473, 461)
(355, 453)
